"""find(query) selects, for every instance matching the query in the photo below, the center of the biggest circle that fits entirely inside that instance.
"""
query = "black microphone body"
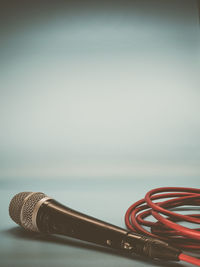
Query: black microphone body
(55, 218)
(39, 213)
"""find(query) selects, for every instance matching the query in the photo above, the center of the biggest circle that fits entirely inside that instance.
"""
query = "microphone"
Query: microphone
(37, 212)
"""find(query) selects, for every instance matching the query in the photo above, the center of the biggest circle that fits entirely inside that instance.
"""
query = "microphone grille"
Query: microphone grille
(22, 206)
(16, 205)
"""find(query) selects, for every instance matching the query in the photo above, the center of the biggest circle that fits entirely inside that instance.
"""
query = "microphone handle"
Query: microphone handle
(55, 218)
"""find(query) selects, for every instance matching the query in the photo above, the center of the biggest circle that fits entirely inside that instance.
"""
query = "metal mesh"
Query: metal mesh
(27, 210)
(22, 206)
(16, 206)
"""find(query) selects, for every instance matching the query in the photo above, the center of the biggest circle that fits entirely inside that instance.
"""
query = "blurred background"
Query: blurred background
(99, 102)
(99, 88)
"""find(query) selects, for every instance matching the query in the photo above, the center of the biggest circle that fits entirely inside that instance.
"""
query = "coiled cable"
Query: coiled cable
(167, 227)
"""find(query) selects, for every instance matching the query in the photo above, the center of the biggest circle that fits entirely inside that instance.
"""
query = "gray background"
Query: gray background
(99, 102)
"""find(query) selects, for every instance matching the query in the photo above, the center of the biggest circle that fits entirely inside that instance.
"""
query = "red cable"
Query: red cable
(189, 259)
(166, 227)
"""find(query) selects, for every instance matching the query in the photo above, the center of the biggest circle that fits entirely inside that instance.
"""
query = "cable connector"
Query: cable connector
(150, 247)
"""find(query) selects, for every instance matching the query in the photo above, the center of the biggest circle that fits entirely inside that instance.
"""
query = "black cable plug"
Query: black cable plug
(150, 247)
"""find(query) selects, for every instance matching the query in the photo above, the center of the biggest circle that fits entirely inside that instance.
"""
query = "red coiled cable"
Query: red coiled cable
(166, 226)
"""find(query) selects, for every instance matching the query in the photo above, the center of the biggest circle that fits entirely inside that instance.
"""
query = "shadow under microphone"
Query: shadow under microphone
(37, 212)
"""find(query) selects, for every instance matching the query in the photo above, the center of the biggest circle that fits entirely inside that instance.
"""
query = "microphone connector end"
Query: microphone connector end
(152, 248)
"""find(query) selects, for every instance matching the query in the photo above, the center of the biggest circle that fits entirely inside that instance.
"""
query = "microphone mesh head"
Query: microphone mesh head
(22, 206)
(16, 205)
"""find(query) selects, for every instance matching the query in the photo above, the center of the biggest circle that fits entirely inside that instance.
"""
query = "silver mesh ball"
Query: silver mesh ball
(16, 205)
(22, 206)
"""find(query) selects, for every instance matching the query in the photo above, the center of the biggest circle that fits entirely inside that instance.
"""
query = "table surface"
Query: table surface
(106, 199)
